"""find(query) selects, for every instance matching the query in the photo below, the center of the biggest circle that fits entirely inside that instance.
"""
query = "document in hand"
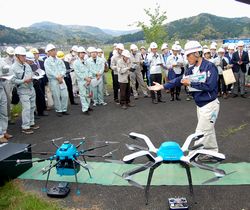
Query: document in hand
(6, 77)
(198, 77)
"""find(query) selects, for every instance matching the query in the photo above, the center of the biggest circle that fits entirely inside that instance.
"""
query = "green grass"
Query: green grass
(232, 130)
(13, 198)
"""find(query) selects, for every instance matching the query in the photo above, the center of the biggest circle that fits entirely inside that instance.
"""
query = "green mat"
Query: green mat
(166, 174)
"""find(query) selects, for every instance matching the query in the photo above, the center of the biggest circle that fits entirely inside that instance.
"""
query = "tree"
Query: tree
(155, 31)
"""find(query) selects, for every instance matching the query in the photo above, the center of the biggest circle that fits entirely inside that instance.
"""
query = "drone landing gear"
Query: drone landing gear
(150, 174)
(151, 171)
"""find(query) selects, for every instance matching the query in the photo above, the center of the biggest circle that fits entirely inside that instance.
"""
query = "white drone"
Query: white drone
(170, 152)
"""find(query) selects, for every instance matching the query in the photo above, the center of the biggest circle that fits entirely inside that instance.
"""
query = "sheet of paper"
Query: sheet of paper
(7, 77)
(40, 72)
(94, 82)
(37, 77)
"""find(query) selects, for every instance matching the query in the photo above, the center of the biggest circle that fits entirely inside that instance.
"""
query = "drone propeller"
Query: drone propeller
(216, 170)
(133, 147)
(130, 181)
(216, 178)
(138, 169)
(110, 154)
(115, 161)
(84, 165)
(93, 148)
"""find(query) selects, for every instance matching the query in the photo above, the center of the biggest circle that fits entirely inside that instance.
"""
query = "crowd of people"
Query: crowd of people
(42, 79)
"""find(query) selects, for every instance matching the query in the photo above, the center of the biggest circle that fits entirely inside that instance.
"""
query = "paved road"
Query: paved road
(161, 122)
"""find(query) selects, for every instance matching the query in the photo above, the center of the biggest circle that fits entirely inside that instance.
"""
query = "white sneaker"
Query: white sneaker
(103, 103)
(94, 104)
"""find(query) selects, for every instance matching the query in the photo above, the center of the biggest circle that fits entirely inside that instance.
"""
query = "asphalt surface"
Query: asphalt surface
(161, 122)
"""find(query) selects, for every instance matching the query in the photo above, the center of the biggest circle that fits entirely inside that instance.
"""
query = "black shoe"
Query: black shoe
(177, 98)
(243, 96)
(130, 105)
(154, 101)
(161, 101)
(59, 114)
(234, 95)
(86, 113)
(65, 113)
(90, 109)
(74, 103)
(43, 114)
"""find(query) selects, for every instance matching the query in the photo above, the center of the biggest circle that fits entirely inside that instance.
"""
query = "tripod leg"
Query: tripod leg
(77, 188)
(45, 189)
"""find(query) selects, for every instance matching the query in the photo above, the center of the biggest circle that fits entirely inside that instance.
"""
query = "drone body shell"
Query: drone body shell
(170, 151)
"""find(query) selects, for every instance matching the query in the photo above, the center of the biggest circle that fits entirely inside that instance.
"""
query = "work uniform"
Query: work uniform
(25, 91)
(3, 105)
(136, 75)
(82, 72)
(113, 66)
(96, 66)
(155, 69)
(221, 63)
(205, 96)
(55, 67)
(174, 64)
(8, 86)
(123, 69)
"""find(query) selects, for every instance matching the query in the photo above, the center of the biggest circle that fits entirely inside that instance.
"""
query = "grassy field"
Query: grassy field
(12, 197)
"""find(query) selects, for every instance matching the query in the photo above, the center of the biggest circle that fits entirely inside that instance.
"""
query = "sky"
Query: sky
(110, 14)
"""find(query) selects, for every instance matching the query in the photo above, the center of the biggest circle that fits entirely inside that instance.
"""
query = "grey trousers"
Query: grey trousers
(240, 82)
(3, 112)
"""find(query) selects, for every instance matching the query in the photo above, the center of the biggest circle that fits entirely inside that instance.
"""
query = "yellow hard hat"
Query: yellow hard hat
(34, 51)
(60, 54)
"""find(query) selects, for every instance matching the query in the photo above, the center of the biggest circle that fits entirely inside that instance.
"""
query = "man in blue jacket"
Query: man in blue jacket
(201, 79)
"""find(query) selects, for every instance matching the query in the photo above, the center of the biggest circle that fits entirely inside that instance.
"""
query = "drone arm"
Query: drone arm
(135, 155)
(150, 145)
(50, 167)
(190, 138)
(214, 154)
(93, 148)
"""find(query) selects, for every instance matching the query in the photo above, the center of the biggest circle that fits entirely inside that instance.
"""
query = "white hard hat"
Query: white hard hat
(221, 50)
(74, 48)
(126, 53)
(213, 47)
(176, 47)
(177, 43)
(92, 49)
(153, 45)
(133, 47)
(214, 43)
(225, 45)
(206, 50)
(192, 46)
(81, 49)
(99, 50)
(49, 47)
(231, 46)
(20, 51)
(120, 46)
(205, 47)
(240, 44)
(164, 46)
(30, 56)
(115, 44)
(10, 51)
